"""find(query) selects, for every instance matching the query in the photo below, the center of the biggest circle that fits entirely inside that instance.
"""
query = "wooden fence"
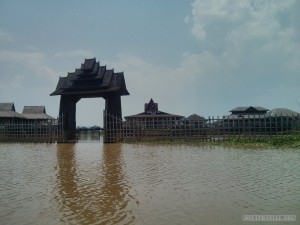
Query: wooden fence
(210, 129)
(154, 128)
(46, 131)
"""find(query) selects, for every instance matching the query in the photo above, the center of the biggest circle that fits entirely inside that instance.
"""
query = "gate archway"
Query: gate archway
(90, 81)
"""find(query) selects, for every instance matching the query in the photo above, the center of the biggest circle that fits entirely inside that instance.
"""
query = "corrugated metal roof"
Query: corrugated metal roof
(10, 114)
(151, 110)
(7, 106)
(147, 115)
(41, 116)
(7, 110)
(35, 112)
(282, 112)
(244, 116)
(195, 117)
(245, 108)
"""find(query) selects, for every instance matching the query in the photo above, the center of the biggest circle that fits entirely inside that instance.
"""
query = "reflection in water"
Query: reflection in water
(87, 197)
(89, 136)
(115, 189)
(88, 183)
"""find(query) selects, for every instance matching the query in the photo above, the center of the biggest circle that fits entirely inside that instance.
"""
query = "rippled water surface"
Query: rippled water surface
(92, 183)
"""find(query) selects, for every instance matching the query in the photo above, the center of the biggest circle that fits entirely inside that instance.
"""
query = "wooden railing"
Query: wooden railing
(210, 129)
(46, 131)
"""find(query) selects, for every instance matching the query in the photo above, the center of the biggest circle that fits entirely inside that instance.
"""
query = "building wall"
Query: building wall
(153, 122)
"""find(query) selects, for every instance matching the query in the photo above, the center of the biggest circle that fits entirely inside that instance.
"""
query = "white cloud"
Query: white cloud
(248, 53)
(247, 56)
(5, 37)
(34, 61)
(15, 82)
(251, 35)
(75, 53)
(228, 22)
(187, 19)
(172, 88)
(32, 48)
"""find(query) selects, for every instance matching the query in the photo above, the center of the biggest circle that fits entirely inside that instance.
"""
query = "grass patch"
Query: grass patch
(288, 141)
(285, 141)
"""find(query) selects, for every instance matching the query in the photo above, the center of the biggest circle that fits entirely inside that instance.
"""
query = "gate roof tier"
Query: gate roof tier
(91, 80)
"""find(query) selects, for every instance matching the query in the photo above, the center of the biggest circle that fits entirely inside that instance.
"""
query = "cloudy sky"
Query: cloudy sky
(203, 56)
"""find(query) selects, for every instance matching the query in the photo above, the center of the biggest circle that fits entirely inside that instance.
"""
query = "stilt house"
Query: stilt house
(8, 113)
(37, 113)
(153, 118)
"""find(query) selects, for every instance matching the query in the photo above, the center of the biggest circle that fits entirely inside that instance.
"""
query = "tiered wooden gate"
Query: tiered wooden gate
(90, 81)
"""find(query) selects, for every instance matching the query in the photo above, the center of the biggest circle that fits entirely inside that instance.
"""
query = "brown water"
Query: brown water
(92, 183)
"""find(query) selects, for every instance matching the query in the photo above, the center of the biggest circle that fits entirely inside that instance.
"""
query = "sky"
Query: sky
(203, 56)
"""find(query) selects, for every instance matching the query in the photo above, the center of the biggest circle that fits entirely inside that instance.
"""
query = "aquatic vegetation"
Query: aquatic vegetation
(292, 140)
(286, 141)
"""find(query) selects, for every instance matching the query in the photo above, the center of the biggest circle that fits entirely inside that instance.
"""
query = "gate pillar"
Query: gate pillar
(112, 118)
(67, 110)
(113, 105)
